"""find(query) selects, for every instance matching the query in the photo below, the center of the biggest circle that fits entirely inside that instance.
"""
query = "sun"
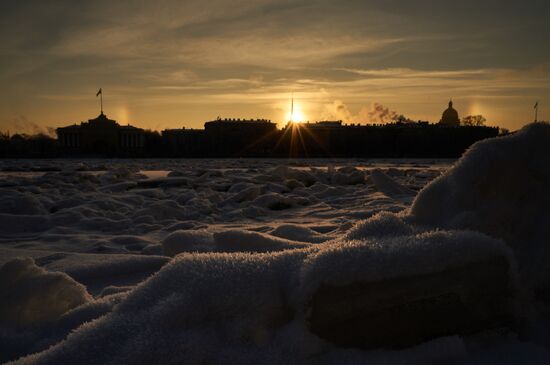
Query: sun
(295, 114)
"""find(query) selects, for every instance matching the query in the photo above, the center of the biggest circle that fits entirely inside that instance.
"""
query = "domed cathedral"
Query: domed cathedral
(450, 116)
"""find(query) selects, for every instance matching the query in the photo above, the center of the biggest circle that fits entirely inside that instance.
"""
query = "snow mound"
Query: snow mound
(12, 202)
(293, 184)
(249, 193)
(188, 241)
(388, 186)
(198, 309)
(371, 260)
(295, 232)
(32, 295)
(383, 224)
(282, 173)
(500, 187)
(351, 178)
(234, 240)
(250, 308)
(248, 241)
(163, 210)
(273, 201)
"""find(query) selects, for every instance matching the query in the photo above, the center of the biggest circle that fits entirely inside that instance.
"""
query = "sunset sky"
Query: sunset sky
(168, 64)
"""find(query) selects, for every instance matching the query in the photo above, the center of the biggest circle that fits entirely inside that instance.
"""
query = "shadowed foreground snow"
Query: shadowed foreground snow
(252, 243)
(36, 295)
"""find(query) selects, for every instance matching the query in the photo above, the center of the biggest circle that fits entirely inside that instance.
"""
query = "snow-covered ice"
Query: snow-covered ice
(216, 261)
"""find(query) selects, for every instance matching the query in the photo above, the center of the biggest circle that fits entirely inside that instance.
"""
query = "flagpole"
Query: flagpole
(101, 100)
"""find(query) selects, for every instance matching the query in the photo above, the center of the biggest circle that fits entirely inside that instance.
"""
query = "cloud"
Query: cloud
(278, 52)
(170, 60)
(406, 73)
(252, 45)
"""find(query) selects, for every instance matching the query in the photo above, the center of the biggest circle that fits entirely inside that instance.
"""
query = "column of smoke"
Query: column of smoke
(22, 125)
(376, 114)
(381, 114)
(337, 110)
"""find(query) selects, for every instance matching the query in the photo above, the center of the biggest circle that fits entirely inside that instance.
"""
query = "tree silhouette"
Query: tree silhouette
(473, 120)
(503, 131)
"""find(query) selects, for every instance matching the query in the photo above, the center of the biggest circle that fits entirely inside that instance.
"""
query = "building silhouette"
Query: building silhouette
(240, 136)
(102, 136)
(450, 116)
(185, 142)
(261, 138)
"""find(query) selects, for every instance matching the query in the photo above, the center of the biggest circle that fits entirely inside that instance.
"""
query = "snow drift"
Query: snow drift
(251, 308)
(500, 187)
(234, 240)
(31, 295)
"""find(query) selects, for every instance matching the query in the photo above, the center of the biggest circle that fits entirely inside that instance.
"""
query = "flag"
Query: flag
(536, 105)
(99, 92)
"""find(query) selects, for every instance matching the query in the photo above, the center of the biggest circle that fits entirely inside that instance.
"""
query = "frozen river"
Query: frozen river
(78, 205)
(226, 260)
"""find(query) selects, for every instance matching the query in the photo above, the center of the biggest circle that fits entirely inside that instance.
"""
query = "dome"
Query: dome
(450, 116)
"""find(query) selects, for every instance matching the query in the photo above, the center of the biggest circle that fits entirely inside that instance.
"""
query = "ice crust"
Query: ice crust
(252, 241)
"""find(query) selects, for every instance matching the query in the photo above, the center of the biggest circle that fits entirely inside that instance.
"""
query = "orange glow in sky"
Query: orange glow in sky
(187, 62)
(296, 115)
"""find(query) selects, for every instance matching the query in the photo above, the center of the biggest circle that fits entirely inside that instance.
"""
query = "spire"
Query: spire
(292, 108)
(450, 102)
